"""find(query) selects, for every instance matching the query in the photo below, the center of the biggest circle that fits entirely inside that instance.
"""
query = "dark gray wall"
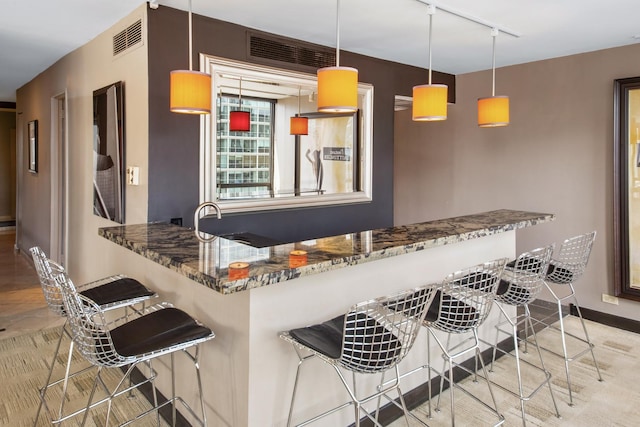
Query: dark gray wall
(174, 138)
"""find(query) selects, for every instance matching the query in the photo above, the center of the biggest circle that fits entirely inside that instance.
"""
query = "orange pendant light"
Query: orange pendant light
(190, 91)
(299, 125)
(337, 86)
(430, 100)
(493, 111)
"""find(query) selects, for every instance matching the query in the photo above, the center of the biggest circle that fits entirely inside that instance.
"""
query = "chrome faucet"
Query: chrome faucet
(196, 217)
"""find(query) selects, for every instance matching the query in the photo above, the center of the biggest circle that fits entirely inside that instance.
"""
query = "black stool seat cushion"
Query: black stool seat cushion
(477, 280)
(368, 344)
(325, 338)
(453, 305)
(557, 274)
(119, 290)
(503, 287)
(156, 331)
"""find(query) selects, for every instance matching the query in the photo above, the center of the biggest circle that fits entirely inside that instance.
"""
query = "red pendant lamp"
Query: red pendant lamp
(190, 91)
(239, 121)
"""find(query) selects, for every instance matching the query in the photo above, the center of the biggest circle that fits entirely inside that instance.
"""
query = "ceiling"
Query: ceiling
(34, 34)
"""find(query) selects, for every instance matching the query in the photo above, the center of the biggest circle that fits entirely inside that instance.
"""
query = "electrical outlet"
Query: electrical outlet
(609, 299)
(133, 175)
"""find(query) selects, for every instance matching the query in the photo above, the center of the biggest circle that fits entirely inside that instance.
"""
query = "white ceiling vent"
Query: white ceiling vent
(127, 38)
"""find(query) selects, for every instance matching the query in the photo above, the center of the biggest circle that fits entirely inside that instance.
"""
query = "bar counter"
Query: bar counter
(247, 370)
(178, 248)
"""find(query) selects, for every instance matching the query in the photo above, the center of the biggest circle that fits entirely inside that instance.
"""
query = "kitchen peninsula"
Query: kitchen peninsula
(247, 370)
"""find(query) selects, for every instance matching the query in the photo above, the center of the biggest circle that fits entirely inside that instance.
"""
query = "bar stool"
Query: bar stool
(160, 330)
(372, 337)
(110, 293)
(564, 270)
(463, 304)
(521, 282)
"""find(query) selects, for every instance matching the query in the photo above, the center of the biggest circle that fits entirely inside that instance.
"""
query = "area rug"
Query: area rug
(24, 365)
(614, 402)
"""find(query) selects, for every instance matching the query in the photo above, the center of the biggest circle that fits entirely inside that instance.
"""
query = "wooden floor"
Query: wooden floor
(22, 305)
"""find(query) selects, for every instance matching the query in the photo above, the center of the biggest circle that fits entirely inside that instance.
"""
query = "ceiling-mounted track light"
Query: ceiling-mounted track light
(430, 100)
(190, 91)
(493, 111)
(337, 86)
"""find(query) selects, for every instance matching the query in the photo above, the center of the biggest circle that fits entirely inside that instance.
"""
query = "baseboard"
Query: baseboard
(166, 411)
(607, 319)
(419, 395)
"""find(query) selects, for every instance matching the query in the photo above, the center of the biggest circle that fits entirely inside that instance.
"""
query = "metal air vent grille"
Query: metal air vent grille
(291, 53)
(130, 36)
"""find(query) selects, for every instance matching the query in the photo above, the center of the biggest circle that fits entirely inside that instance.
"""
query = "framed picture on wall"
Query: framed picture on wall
(327, 159)
(32, 132)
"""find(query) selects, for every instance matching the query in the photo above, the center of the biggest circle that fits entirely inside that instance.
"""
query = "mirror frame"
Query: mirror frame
(621, 206)
(216, 65)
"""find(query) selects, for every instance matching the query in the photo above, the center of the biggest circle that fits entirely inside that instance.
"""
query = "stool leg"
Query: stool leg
(519, 372)
(586, 335)
(66, 379)
(535, 342)
(197, 365)
(44, 389)
(564, 352)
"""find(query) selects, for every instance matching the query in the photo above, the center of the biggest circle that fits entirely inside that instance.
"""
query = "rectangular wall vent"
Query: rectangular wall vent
(129, 37)
(281, 50)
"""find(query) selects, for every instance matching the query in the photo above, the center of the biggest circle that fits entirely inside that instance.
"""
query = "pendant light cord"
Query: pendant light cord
(190, 39)
(493, 63)
(337, 33)
(430, 32)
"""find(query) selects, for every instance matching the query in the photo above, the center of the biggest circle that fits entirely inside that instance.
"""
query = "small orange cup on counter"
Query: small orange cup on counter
(238, 270)
(297, 258)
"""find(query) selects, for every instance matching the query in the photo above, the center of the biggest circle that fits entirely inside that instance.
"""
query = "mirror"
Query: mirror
(267, 167)
(627, 188)
(108, 152)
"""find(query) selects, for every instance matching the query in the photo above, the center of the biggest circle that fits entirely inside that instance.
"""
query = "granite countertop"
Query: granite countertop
(178, 248)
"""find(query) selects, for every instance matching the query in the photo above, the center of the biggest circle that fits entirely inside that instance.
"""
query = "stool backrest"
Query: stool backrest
(467, 297)
(89, 326)
(573, 257)
(524, 277)
(47, 270)
(379, 333)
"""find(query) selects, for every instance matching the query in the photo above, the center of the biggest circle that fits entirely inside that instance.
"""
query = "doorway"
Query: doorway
(59, 180)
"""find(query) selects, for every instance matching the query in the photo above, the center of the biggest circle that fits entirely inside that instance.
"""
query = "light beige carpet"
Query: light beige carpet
(24, 364)
(613, 402)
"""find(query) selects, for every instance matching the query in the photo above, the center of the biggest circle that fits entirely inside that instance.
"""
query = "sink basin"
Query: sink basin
(251, 239)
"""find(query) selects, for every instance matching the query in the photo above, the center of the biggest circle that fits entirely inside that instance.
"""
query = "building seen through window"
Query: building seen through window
(244, 162)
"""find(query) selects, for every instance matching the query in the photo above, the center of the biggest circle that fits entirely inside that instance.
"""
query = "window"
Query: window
(244, 164)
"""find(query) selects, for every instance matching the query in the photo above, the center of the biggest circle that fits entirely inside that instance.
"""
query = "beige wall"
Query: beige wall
(7, 165)
(556, 156)
(78, 74)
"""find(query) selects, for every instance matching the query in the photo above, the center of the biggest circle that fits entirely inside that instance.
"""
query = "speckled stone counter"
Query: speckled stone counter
(178, 248)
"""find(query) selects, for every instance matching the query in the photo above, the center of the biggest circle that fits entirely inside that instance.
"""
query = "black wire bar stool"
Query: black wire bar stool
(564, 270)
(463, 304)
(110, 293)
(371, 338)
(160, 330)
(521, 282)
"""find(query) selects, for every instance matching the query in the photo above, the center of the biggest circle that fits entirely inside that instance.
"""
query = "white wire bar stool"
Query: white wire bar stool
(462, 305)
(371, 338)
(521, 282)
(110, 293)
(160, 330)
(564, 270)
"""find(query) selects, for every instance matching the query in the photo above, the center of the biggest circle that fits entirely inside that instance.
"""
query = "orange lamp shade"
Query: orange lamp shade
(190, 92)
(299, 126)
(493, 111)
(429, 103)
(337, 90)
(239, 121)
